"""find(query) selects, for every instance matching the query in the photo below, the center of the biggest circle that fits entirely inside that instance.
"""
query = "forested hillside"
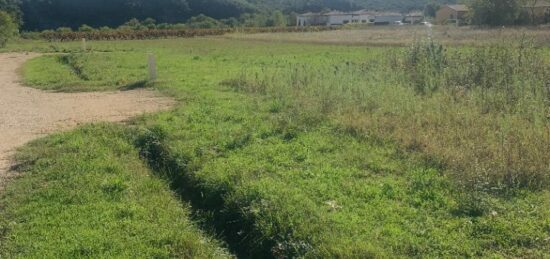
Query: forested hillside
(41, 14)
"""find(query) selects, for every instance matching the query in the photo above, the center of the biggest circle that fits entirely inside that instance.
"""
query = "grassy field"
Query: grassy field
(87, 194)
(309, 150)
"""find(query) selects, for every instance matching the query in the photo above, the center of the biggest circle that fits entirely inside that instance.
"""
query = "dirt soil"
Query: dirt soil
(27, 113)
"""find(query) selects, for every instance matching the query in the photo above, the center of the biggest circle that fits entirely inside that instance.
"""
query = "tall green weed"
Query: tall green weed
(482, 113)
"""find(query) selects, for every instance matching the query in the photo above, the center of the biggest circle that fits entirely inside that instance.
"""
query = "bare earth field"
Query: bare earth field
(405, 35)
(26, 113)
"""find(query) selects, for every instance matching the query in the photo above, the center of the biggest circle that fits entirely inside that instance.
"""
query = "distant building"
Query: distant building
(312, 19)
(335, 18)
(537, 11)
(452, 14)
(414, 18)
(387, 18)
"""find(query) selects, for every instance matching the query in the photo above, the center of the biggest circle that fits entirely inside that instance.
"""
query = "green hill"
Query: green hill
(40, 15)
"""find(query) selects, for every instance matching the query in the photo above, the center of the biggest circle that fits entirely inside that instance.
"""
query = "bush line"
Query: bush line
(163, 33)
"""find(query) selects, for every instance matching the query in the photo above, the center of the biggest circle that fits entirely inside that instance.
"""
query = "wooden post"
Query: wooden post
(84, 47)
(152, 67)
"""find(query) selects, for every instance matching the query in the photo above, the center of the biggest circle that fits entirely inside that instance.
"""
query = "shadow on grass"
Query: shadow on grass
(137, 85)
(207, 202)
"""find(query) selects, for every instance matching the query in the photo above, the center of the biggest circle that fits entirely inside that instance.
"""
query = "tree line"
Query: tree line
(508, 12)
(36, 15)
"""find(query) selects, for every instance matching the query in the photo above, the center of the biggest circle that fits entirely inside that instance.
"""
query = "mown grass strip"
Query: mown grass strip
(86, 194)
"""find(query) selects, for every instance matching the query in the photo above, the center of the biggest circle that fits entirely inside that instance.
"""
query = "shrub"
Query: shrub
(64, 29)
(163, 31)
(134, 24)
(149, 23)
(203, 22)
(8, 28)
(425, 62)
(85, 28)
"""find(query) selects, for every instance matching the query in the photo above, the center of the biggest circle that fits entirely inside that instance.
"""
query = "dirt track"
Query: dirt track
(27, 113)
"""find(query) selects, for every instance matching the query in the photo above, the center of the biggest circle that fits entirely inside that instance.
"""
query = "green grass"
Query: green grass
(297, 171)
(74, 72)
(87, 194)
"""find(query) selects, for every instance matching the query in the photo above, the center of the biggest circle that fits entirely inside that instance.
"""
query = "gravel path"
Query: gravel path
(27, 113)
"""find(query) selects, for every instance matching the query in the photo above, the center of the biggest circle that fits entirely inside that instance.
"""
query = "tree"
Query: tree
(150, 23)
(258, 19)
(531, 6)
(51, 14)
(64, 29)
(231, 22)
(494, 12)
(85, 28)
(277, 19)
(8, 28)
(48, 14)
(430, 9)
(133, 24)
(203, 22)
(291, 19)
(12, 8)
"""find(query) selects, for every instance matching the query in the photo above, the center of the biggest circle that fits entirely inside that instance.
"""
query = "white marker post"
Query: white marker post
(84, 47)
(152, 68)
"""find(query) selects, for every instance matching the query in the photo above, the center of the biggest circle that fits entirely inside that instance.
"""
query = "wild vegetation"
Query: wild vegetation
(130, 34)
(507, 12)
(288, 150)
(493, 126)
(8, 28)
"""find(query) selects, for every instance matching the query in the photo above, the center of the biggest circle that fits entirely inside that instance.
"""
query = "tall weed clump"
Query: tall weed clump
(482, 113)
(424, 62)
(497, 130)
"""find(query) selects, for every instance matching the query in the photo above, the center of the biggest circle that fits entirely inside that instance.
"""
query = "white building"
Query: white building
(312, 19)
(414, 18)
(334, 18)
(387, 18)
(338, 18)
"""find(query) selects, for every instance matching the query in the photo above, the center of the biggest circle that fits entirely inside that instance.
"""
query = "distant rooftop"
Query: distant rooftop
(386, 14)
(458, 7)
(360, 12)
(334, 13)
(415, 14)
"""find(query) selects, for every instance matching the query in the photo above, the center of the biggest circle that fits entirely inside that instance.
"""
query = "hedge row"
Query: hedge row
(165, 33)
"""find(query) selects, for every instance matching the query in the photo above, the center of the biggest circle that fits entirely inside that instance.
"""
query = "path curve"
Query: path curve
(27, 113)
